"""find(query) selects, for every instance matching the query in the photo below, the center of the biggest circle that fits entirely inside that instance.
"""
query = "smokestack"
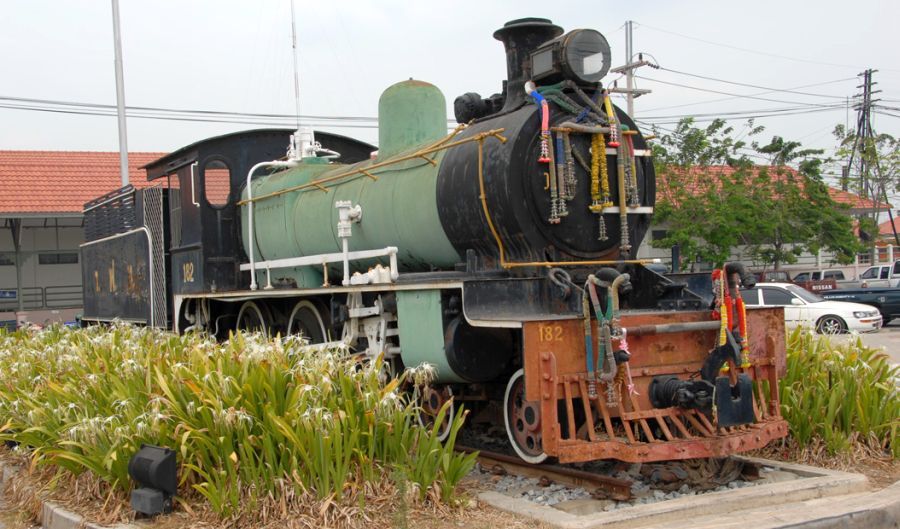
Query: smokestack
(521, 37)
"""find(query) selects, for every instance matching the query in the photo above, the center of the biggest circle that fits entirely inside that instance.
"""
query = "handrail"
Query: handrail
(39, 298)
(366, 171)
(122, 192)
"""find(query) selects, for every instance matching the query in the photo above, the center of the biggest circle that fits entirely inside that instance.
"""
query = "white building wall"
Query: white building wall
(805, 261)
(37, 240)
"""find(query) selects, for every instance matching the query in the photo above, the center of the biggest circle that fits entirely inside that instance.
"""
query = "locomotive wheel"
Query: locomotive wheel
(251, 318)
(431, 400)
(306, 321)
(523, 421)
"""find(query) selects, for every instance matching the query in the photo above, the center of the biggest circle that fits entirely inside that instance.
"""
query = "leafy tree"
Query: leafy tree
(881, 153)
(783, 152)
(714, 198)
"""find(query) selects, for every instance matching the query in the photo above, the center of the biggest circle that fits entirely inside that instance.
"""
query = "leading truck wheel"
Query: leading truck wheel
(523, 421)
(252, 319)
(431, 402)
(306, 321)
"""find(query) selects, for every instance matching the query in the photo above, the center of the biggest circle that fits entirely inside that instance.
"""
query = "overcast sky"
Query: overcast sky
(229, 55)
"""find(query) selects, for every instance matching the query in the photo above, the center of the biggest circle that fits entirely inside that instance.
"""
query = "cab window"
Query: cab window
(869, 274)
(897, 268)
(750, 296)
(834, 275)
(885, 272)
(776, 296)
(217, 182)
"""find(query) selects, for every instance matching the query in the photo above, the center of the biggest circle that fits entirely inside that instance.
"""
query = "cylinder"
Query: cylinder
(476, 354)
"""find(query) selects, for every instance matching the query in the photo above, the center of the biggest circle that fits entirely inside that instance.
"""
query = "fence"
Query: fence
(39, 298)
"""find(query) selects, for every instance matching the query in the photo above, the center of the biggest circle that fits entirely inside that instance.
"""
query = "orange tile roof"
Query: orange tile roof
(855, 202)
(885, 227)
(60, 182)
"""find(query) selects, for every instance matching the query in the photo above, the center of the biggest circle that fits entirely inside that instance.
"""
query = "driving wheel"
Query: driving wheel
(306, 321)
(523, 421)
(252, 318)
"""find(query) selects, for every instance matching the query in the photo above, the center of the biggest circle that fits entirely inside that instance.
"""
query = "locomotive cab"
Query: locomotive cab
(205, 181)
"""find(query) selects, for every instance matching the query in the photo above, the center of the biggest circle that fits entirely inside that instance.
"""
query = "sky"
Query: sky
(235, 56)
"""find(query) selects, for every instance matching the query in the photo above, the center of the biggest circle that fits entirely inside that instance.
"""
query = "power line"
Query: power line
(767, 88)
(182, 111)
(754, 111)
(718, 100)
(883, 113)
(746, 96)
(757, 116)
(285, 122)
(757, 52)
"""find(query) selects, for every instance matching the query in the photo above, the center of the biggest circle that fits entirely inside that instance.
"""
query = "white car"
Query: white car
(802, 307)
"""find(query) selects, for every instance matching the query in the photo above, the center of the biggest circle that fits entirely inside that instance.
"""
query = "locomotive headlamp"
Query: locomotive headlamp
(153, 467)
(581, 55)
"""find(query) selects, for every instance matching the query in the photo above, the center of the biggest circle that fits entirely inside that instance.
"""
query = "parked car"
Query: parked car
(885, 275)
(886, 300)
(802, 307)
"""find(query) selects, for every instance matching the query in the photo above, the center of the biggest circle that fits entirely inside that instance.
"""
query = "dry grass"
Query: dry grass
(879, 466)
(95, 501)
(88, 497)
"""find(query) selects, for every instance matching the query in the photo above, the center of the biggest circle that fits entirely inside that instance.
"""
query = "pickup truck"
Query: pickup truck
(820, 280)
(885, 275)
(886, 300)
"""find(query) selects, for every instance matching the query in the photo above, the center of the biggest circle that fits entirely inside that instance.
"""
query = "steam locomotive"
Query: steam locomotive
(502, 253)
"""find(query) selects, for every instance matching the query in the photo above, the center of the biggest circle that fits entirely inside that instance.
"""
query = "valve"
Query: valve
(347, 215)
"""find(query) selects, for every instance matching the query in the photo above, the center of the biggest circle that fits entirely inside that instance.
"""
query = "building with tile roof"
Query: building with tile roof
(42, 194)
(886, 231)
(855, 204)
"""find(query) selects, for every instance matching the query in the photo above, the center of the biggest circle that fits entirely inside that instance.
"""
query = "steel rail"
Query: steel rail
(618, 489)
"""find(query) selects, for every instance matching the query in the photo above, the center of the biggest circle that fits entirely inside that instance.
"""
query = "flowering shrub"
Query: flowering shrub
(840, 393)
(251, 419)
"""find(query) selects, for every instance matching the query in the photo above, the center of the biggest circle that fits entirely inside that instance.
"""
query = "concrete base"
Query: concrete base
(869, 510)
(821, 499)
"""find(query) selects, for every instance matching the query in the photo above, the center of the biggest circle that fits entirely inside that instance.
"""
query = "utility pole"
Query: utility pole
(120, 95)
(628, 69)
(629, 74)
(871, 185)
(861, 144)
(296, 64)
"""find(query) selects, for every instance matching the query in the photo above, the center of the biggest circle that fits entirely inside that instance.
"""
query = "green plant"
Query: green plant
(840, 393)
(252, 420)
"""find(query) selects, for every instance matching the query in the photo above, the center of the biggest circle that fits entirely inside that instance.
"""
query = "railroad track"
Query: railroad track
(699, 475)
(614, 488)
